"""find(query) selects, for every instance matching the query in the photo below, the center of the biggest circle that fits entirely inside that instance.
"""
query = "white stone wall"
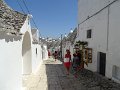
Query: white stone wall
(36, 57)
(26, 54)
(89, 7)
(26, 45)
(98, 24)
(26, 27)
(12, 60)
(101, 28)
(44, 52)
(10, 65)
(114, 39)
(35, 34)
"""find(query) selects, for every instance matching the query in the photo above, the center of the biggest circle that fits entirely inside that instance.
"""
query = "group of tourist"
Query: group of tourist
(55, 54)
(68, 62)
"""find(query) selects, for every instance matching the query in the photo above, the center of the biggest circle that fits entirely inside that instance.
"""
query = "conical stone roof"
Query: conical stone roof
(10, 21)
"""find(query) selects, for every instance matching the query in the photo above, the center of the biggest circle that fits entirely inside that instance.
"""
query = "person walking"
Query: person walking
(67, 61)
(55, 55)
(79, 56)
(75, 61)
(48, 53)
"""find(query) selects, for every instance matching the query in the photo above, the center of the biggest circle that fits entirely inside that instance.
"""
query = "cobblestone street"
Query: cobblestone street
(52, 76)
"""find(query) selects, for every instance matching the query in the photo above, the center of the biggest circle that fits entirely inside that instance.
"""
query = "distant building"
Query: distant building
(35, 35)
(68, 42)
(98, 24)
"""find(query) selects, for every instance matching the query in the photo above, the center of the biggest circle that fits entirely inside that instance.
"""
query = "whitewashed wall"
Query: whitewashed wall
(27, 63)
(89, 7)
(114, 40)
(36, 57)
(11, 61)
(99, 25)
(44, 52)
(35, 34)
(10, 65)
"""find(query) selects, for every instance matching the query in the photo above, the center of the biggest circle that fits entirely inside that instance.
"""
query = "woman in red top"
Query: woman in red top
(67, 61)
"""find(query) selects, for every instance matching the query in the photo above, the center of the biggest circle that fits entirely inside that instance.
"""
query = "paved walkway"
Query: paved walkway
(52, 76)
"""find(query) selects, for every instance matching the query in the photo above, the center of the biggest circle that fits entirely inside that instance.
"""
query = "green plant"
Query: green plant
(81, 43)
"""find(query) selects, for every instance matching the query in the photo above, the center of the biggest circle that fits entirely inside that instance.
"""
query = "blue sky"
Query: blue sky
(52, 17)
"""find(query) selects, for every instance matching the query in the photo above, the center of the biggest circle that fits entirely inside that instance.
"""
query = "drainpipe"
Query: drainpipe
(108, 17)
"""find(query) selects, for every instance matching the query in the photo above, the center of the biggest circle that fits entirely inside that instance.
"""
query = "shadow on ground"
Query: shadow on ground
(52, 76)
(58, 80)
(86, 80)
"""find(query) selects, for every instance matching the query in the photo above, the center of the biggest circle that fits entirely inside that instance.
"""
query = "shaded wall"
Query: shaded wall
(105, 33)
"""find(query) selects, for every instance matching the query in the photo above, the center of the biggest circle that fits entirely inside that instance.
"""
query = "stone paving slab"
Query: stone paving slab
(95, 81)
(52, 76)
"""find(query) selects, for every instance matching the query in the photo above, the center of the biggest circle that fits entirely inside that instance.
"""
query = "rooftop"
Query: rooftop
(10, 21)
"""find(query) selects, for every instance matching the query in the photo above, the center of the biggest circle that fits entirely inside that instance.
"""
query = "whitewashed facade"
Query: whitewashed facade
(15, 60)
(19, 56)
(36, 50)
(44, 52)
(102, 18)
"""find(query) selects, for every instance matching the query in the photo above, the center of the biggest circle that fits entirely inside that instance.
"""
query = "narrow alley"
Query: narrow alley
(82, 32)
(51, 76)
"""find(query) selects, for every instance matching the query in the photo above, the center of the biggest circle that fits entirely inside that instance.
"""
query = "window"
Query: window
(36, 50)
(89, 33)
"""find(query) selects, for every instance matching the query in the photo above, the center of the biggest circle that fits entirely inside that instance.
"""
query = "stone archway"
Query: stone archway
(26, 54)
